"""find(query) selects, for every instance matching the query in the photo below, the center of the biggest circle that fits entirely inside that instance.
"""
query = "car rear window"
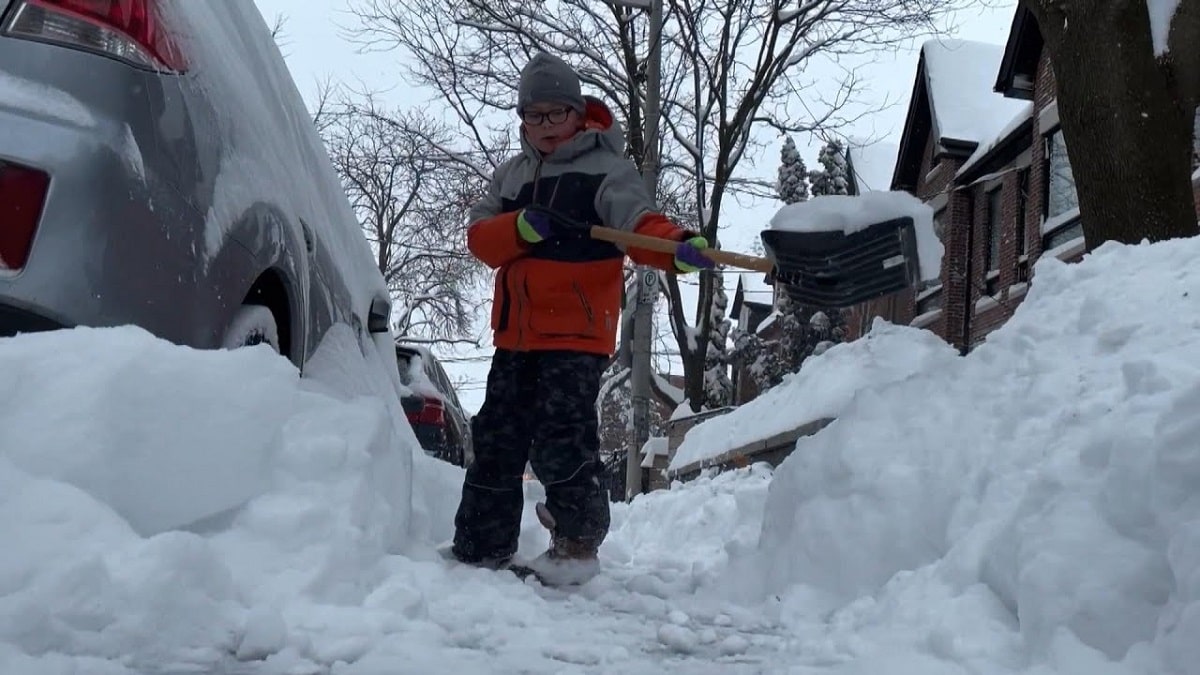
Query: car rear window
(404, 363)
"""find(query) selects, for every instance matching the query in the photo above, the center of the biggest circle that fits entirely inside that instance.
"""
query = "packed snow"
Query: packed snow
(1029, 508)
(852, 213)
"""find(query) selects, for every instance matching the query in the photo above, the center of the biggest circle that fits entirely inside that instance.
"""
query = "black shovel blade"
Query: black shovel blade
(835, 270)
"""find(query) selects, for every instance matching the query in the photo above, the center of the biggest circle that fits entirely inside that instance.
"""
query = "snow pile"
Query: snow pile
(1030, 508)
(825, 387)
(162, 504)
(163, 446)
(852, 213)
(1035, 504)
(170, 510)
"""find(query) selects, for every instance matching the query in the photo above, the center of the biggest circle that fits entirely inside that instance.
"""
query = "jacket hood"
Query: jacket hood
(600, 130)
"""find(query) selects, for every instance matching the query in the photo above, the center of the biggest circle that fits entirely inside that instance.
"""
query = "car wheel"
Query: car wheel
(252, 325)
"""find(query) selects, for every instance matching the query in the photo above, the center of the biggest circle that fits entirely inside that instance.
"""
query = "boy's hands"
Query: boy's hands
(534, 226)
(688, 256)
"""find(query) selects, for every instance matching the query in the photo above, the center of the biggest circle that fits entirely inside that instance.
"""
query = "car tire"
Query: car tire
(252, 325)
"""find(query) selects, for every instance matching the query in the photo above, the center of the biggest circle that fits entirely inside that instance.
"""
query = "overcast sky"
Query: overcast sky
(316, 49)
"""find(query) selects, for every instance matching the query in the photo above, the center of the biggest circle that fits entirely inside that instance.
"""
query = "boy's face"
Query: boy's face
(547, 125)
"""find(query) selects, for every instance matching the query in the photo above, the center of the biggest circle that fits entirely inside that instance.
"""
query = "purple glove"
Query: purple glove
(688, 256)
(534, 226)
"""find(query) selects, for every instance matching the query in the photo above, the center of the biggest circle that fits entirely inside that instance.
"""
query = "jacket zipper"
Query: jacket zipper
(522, 293)
(537, 175)
(505, 293)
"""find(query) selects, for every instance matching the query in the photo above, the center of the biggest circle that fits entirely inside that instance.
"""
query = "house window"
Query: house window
(939, 226)
(930, 299)
(1196, 142)
(1022, 205)
(1060, 183)
(994, 221)
(1063, 235)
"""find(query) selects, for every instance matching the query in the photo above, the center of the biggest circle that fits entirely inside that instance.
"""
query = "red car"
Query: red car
(442, 426)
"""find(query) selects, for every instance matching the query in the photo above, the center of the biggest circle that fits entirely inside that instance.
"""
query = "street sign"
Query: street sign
(648, 289)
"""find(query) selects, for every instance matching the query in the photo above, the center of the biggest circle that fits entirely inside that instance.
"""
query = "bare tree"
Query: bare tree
(412, 201)
(278, 34)
(1128, 109)
(741, 64)
(729, 67)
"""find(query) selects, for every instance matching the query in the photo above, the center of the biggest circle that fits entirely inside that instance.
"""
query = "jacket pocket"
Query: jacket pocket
(560, 309)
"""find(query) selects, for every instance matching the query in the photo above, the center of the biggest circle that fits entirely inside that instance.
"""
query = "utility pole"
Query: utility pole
(643, 315)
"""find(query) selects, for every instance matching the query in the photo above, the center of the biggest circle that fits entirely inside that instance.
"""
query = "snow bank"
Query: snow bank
(167, 503)
(852, 213)
(163, 435)
(825, 387)
(1034, 504)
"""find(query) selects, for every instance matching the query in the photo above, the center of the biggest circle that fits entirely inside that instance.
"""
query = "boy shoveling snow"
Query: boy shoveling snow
(555, 313)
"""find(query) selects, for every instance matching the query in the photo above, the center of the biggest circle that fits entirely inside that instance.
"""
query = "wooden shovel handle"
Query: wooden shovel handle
(740, 260)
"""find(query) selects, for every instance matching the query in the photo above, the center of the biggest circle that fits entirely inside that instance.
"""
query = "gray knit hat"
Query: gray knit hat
(547, 78)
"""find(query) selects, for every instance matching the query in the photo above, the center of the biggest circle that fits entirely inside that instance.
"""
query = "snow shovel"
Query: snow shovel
(719, 256)
(822, 270)
(834, 270)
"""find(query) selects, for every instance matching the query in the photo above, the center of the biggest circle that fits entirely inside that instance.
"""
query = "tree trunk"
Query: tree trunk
(1126, 121)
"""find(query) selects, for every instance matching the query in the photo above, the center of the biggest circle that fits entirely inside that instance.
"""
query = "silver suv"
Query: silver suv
(159, 168)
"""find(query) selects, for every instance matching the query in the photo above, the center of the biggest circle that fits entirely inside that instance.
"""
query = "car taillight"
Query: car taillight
(432, 412)
(131, 30)
(22, 195)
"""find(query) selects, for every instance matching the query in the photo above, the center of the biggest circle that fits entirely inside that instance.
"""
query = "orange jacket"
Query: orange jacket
(565, 292)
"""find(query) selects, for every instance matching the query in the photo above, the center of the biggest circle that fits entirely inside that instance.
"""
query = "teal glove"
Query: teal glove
(688, 255)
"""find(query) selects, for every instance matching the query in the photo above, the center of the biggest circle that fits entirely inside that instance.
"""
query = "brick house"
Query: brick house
(753, 303)
(965, 152)
(1001, 199)
(983, 147)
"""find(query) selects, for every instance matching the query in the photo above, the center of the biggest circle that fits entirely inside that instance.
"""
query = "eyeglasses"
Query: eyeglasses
(533, 117)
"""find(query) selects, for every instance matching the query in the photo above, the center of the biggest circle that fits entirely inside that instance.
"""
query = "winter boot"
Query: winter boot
(567, 562)
(446, 551)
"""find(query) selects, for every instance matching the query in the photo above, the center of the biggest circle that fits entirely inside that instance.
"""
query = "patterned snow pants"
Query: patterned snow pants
(540, 407)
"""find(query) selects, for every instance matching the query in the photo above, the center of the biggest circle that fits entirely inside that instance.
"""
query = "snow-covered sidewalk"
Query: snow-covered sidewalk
(1031, 508)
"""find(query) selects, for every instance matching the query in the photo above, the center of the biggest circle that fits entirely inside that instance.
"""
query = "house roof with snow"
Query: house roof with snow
(1012, 140)
(1018, 66)
(871, 165)
(753, 290)
(954, 102)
